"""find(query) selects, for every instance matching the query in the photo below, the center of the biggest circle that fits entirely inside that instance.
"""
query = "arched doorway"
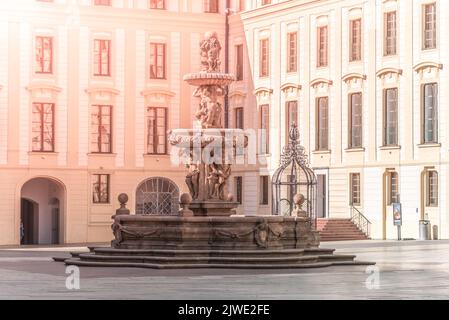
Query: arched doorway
(41, 212)
(157, 196)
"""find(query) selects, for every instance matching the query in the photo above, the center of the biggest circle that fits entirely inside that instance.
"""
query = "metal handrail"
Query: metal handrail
(361, 221)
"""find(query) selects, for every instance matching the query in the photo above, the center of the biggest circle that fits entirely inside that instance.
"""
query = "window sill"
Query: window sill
(93, 154)
(386, 148)
(354, 150)
(42, 153)
(429, 145)
(154, 156)
(322, 152)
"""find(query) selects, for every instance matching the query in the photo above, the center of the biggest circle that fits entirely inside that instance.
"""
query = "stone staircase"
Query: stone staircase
(339, 230)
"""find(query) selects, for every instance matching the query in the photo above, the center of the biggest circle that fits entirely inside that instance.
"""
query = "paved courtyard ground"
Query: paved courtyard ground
(407, 270)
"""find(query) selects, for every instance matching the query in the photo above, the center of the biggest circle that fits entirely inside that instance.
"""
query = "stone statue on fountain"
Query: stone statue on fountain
(210, 53)
(210, 110)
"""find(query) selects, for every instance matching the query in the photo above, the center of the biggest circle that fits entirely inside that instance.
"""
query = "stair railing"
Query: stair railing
(361, 221)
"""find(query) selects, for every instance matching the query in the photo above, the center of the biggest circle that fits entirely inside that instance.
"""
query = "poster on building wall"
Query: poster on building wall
(397, 214)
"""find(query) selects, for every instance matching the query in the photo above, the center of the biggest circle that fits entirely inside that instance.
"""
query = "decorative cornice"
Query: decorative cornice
(353, 75)
(157, 91)
(237, 93)
(427, 64)
(384, 71)
(43, 86)
(263, 90)
(290, 85)
(318, 81)
(110, 90)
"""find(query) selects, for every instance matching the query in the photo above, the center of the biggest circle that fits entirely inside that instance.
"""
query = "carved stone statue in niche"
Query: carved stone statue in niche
(210, 52)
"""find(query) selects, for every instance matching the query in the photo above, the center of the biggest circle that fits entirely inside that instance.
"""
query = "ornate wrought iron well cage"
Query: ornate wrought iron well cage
(294, 176)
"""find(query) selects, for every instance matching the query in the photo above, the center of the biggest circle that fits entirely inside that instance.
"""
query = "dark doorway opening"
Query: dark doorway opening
(321, 196)
(29, 222)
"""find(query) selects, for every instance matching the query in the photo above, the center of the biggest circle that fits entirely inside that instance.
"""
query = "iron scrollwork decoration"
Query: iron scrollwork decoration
(294, 177)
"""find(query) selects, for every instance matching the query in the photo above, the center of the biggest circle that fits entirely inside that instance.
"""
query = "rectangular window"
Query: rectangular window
(211, 6)
(432, 189)
(100, 188)
(430, 113)
(291, 110)
(239, 62)
(264, 190)
(355, 121)
(393, 188)
(292, 52)
(239, 118)
(43, 131)
(265, 2)
(44, 55)
(239, 189)
(157, 4)
(264, 129)
(391, 117)
(101, 129)
(355, 190)
(157, 60)
(390, 32)
(156, 130)
(429, 26)
(322, 122)
(102, 57)
(264, 56)
(322, 54)
(355, 40)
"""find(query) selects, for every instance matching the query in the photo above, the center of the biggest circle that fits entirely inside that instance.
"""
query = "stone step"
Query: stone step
(239, 259)
(338, 238)
(81, 263)
(199, 260)
(339, 230)
(213, 253)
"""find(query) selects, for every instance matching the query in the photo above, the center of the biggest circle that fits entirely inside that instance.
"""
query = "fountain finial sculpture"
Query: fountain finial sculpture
(208, 170)
(210, 52)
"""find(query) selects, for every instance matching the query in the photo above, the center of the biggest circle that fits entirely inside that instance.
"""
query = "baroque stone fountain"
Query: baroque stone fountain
(206, 233)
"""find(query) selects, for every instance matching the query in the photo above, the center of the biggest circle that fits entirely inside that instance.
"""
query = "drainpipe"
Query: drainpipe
(226, 97)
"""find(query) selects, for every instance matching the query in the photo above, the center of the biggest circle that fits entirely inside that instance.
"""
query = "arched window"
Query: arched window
(157, 196)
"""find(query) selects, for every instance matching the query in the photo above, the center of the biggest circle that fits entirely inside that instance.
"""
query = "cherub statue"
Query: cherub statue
(210, 52)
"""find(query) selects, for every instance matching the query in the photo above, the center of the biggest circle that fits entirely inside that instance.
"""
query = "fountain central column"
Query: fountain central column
(208, 147)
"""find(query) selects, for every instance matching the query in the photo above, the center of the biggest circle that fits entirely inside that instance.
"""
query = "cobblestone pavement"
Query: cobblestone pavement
(407, 270)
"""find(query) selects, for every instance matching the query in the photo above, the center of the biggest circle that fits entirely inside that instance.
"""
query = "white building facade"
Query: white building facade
(366, 82)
